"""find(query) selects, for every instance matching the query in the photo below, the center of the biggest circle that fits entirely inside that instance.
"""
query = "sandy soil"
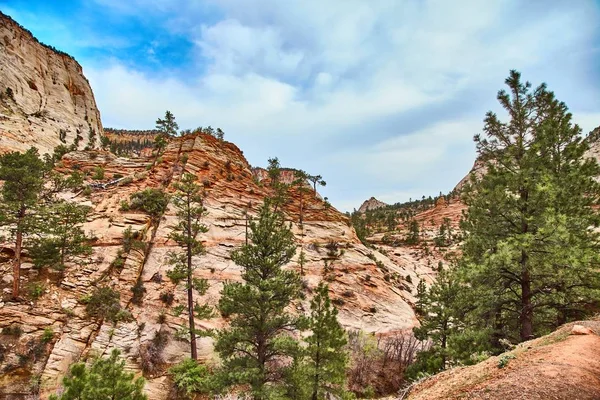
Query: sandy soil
(555, 367)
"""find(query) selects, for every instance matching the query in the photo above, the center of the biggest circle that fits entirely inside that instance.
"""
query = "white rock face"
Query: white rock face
(50, 95)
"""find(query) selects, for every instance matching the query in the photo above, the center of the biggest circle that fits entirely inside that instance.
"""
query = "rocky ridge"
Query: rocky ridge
(371, 204)
(45, 100)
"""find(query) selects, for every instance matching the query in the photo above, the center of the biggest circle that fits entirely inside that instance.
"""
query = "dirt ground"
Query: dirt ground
(554, 367)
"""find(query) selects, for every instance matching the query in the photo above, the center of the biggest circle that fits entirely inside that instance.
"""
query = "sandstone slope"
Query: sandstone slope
(372, 292)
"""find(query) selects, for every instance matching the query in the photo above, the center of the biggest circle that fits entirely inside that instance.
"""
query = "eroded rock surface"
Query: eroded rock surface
(45, 100)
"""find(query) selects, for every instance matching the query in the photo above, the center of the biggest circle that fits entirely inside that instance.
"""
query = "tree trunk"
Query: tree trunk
(17, 262)
(190, 292)
(317, 369)
(526, 316)
(18, 249)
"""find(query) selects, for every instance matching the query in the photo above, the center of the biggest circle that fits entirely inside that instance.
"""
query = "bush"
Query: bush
(124, 205)
(36, 290)
(87, 191)
(378, 364)
(151, 201)
(98, 173)
(48, 335)
(104, 379)
(12, 330)
(191, 378)
(138, 292)
(151, 359)
(505, 359)
(167, 298)
(104, 303)
(162, 317)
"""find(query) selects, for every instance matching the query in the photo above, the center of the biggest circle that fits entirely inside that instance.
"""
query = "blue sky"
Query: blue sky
(381, 97)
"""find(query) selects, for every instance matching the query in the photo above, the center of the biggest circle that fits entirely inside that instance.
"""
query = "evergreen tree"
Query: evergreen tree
(327, 359)
(316, 180)
(281, 194)
(189, 204)
(444, 236)
(166, 128)
(437, 319)
(414, 235)
(258, 341)
(22, 174)
(62, 239)
(105, 379)
(531, 253)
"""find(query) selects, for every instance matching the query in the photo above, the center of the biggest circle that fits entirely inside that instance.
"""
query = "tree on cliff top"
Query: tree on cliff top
(167, 128)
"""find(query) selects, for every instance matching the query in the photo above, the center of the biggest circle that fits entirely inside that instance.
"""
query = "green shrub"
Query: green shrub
(87, 191)
(505, 359)
(191, 378)
(105, 378)
(36, 290)
(138, 292)
(48, 335)
(167, 298)
(177, 310)
(12, 330)
(151, 201)
(98, 173)
(104, 303)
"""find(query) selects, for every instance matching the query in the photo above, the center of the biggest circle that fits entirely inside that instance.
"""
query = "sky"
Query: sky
(380, 97)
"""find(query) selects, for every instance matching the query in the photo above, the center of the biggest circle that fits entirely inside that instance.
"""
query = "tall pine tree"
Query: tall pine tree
(258, 340)
(530, 259)
(326, 356)
(190, 209)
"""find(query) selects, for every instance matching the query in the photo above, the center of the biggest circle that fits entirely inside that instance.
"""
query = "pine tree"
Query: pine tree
(258, 339)
(22, 174)
(167, 128)
(316, 180)
(281, 194)
(327, 359)
(105, 379)
(414, 235)
(437, 319)
(531, 254)
(62, 239)
(189, 204)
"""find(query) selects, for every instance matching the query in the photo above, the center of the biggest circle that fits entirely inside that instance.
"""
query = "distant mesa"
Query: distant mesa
(371, 204)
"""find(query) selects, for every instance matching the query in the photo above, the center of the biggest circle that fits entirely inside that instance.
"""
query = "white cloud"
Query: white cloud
(342, 87)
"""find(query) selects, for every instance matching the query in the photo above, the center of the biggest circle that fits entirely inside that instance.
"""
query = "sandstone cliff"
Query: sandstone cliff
(45, 99)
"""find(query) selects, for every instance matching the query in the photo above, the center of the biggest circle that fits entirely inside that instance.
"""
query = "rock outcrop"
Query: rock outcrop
(371, 204)
(45, 100)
